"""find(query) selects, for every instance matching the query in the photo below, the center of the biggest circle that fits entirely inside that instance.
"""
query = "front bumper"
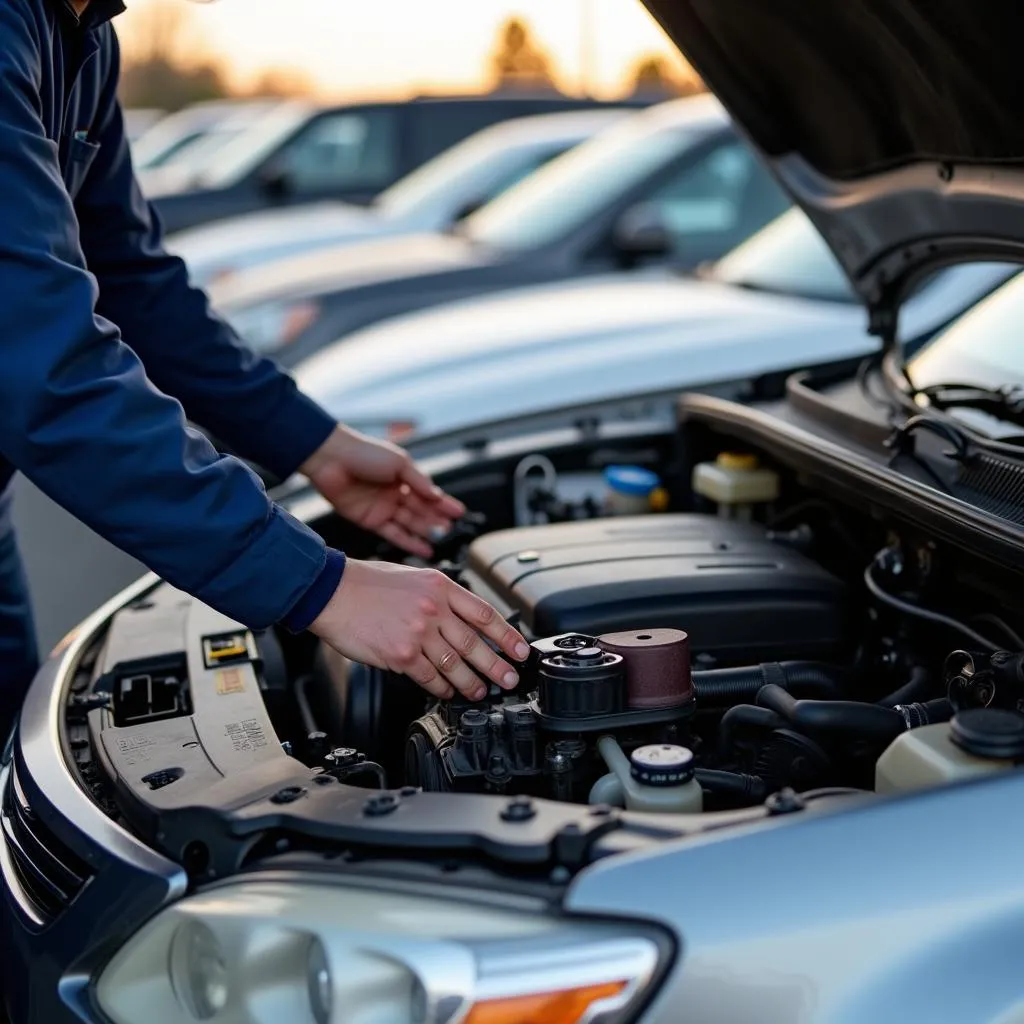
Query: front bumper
(75, 884)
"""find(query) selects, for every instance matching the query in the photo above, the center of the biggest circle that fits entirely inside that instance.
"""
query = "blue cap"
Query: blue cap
(634, 480)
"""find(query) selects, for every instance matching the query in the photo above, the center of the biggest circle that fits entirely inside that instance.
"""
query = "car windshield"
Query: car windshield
(572, 189)
(981, 348)
(252, 146)
(790, 257)
(454, 172)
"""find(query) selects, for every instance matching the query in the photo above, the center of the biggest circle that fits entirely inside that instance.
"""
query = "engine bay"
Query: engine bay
(760, 653)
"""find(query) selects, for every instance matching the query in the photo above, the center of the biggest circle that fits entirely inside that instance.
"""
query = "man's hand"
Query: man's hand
(378, 487)
(418, 622)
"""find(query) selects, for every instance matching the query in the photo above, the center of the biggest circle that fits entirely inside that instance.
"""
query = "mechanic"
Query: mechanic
(106, 349)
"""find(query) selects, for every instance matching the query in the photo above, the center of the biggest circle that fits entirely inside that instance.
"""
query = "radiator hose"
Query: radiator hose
(882, 724)
(724, 687)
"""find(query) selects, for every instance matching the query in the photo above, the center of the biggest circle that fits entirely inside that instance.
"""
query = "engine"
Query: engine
(679, 663)
(644, 630)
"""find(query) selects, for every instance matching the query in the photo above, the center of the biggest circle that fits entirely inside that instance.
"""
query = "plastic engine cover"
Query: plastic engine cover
(739, 596)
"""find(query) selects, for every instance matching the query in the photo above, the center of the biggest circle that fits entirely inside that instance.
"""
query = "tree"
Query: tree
(282, 83)
(518, 62)
(654, 75)
(156, 72)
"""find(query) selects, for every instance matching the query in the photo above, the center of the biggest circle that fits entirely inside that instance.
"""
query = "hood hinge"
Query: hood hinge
(883, 322)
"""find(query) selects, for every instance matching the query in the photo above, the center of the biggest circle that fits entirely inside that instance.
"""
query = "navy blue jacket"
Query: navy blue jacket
(99, 329)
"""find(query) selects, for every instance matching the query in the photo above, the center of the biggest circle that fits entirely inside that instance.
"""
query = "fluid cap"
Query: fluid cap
(662, 764)
(989, 732)
(632, 480)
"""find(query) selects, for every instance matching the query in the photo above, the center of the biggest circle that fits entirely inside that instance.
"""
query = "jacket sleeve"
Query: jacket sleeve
(188, 352)
(79, 416)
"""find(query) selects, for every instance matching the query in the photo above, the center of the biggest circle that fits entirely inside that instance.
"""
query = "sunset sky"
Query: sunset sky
(350, 48)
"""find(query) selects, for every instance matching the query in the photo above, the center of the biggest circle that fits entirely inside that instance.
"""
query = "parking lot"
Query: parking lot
(511, 513)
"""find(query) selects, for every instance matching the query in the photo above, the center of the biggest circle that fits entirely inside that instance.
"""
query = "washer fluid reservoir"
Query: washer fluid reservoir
(979, 741)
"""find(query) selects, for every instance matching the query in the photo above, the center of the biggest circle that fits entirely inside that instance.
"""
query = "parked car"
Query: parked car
(305, 153)
(435, 196)
(778, 301)
(672, 184)
(139, 120)
(176, 136)
(764, 762)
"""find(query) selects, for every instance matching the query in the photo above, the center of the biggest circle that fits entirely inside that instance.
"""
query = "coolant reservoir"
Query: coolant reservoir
(736, 482)
(629, 490)
(980, 741)
(657, 778)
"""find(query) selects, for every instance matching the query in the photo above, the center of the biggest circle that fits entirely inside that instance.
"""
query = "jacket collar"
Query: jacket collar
(97, 13)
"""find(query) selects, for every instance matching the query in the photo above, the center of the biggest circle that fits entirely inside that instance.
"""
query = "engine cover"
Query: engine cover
(739, 596)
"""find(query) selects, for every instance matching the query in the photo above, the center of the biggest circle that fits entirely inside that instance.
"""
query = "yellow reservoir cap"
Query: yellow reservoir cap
(659, 500)
(741, 462)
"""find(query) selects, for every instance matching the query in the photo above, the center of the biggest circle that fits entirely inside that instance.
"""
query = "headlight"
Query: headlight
(317, 953)
(275, 325)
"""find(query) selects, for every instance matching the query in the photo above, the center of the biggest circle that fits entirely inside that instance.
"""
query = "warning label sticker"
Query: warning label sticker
(246, 735)
(230, 680)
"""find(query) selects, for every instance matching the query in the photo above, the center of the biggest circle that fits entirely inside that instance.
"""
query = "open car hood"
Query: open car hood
(891, 122)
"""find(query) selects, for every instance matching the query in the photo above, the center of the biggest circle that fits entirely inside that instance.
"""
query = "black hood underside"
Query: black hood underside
(894, 123)
(862, 86)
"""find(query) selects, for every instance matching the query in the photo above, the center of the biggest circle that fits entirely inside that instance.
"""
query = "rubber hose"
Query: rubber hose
(744, 718)
(735, 784)
(881, 724)
(914, 690)
(722, 687)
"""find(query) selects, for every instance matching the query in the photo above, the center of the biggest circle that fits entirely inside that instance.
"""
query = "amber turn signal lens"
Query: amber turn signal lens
(565, 1007)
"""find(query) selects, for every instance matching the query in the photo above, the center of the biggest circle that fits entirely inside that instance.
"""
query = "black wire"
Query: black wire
(864, 377)
(1009, 633)
(1013, 448)
(923, 464)
(923, 613)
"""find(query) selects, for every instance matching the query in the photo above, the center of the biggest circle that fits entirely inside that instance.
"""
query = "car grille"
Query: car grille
(50, 875)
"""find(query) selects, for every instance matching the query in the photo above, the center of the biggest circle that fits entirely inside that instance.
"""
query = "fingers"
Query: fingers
(396, 534)
(467, 643)
(420, 525)
(421, 485)
(423, 673)
(480, 616)
(445, 659)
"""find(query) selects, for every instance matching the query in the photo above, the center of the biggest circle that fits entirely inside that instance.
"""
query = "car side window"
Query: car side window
(343, 151)
(715, 203)
(513, 175)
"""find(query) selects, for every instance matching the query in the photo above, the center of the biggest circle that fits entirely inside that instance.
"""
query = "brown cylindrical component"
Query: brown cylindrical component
(657, 666)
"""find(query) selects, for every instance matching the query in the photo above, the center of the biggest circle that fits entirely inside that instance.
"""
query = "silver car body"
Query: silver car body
(557, 347)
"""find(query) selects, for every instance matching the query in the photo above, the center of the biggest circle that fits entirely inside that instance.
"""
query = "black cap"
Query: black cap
(662, 764)
(989, 732)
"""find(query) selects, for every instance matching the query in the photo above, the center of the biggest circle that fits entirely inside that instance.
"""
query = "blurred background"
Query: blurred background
(201, 78)
(339, 50)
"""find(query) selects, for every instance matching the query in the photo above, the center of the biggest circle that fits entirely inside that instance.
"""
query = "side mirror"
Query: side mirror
(641, 233)
(276, 183)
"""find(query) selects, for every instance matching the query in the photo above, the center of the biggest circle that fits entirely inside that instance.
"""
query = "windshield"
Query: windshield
(572, 189)
(251, 147)
(982, 348)
(788, 257)
(457, 172)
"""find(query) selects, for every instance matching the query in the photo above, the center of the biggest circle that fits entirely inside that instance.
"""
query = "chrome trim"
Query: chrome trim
(11, 875)
(43, 756)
